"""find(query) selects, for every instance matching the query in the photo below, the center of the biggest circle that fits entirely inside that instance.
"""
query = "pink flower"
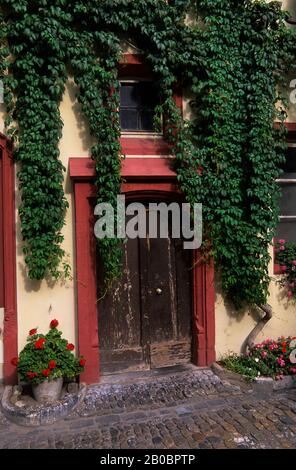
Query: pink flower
(293, 370)
(263, 354)
(294, 262)
(282, 242)
(290, 294)
(281, 362)
(284, 268)
(282, 248)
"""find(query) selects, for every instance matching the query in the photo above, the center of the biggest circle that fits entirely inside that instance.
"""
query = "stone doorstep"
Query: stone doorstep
(41, 415)
(261, 384)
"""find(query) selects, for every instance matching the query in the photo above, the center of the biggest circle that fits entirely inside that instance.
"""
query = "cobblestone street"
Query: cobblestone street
(186, 409)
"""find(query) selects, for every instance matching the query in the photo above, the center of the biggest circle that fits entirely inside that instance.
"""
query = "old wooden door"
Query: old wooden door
(146, 321)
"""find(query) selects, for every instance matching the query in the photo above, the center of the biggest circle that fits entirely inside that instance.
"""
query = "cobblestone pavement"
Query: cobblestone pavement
(187, 409)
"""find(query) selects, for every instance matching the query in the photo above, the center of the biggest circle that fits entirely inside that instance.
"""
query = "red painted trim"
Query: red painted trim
(82, 168)
(1, 239)
(88, 339)
(290, 126)
(88, 323)
(132, 59)
(204, 312)
(276, 267)
(9, 237)
(144, 146)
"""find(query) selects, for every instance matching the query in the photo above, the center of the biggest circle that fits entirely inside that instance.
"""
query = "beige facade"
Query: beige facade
(39, 302)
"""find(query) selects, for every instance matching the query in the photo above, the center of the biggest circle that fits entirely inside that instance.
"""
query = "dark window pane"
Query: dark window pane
(129, 95)
(137, 104)
(146, 119)
(288, 199)
(287, 231)
(148, 94)
(289, 166)
(129, 119)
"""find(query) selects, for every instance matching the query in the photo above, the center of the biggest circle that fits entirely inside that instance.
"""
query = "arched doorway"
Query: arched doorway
(153, 178)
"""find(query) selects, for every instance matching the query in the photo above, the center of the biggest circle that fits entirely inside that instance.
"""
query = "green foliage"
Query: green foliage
(52, 359)
(227, 157)
(269, 359)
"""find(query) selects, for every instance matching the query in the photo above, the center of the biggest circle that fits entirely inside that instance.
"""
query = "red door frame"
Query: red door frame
(10, 335)
(138, 180)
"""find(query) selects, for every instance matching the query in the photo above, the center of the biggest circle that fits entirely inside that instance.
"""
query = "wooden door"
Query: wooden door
(145, 322)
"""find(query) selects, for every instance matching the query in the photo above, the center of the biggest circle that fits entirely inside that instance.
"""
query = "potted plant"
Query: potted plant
(45, 361)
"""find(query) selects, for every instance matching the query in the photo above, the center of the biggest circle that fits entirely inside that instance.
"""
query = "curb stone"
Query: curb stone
(42, 415)
(265, 385)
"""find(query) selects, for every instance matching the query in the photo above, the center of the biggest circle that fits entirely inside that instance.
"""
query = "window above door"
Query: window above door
(138, 101)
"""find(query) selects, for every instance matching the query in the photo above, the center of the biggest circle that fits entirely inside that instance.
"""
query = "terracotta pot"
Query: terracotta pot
(48, 391)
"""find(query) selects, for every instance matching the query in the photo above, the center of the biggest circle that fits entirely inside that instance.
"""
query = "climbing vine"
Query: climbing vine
(231, 56)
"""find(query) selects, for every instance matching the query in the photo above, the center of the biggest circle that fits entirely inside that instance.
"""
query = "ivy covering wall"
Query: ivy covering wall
(231, 56)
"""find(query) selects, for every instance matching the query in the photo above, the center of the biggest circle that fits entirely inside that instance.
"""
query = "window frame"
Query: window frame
(291, 142)
(140, 132)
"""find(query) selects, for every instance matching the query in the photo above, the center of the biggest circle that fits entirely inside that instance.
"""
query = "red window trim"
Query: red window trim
(291, 128)
(134, 65)
(9, 242)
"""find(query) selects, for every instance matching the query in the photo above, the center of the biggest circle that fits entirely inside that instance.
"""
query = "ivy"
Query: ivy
(232, 59)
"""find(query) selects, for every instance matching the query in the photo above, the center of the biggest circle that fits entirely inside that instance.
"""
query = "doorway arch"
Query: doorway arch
(138, 184)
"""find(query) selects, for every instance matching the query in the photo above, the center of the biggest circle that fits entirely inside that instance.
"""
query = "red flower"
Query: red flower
(39, 344)
(52, 364)
(54, 323)
(33, 332)
(14, 361)
(46, 372)
(82, 362)
(31, 375)
(70, 347)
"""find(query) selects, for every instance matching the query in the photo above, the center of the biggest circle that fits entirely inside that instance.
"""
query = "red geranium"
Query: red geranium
(14, 361)
(31, 375)
(33, 332)
(46, 372)
(52, 364)
(39, 344)
(82, 362)
(70, 346)
(54, 323)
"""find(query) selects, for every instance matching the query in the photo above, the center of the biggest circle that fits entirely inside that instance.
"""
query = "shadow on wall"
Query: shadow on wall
(240, 321)
(81, 122)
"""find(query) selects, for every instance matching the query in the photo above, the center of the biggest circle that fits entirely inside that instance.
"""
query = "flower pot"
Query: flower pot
(48, 391)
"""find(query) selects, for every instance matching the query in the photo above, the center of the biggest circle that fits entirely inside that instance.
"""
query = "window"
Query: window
(138, 100)
(287, 226)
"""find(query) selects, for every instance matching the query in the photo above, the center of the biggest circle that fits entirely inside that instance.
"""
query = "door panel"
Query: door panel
(120, 318)
(146, 321)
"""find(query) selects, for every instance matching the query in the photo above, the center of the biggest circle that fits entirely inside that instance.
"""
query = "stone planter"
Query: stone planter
(48, 391)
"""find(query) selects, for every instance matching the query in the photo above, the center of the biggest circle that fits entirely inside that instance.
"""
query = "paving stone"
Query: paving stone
(188, 410)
